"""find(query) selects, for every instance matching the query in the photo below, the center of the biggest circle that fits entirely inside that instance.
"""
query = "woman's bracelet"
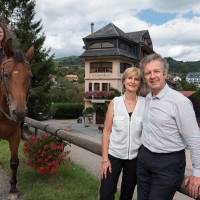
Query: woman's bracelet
(105, 161)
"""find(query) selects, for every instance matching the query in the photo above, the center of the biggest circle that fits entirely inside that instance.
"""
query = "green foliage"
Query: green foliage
(66, 91)
(88, 110)
(184, 85)
(183, 67)
(195, 98)
(70, 61)
(70, 182)
(66, 110)
(79, 71)
(28, 32)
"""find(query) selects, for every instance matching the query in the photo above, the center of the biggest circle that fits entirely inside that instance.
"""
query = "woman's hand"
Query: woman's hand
(105, 168)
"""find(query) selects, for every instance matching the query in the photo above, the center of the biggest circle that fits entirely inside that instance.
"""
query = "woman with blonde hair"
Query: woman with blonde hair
(121, 138)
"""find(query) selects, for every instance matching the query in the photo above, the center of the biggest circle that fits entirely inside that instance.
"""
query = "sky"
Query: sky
(174, 25)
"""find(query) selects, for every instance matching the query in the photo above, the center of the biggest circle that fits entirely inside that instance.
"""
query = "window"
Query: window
(95, 46)
(90, 86)
(100, 45)
(124, 66)
(105, 86)
(101, 67)
(96, 87)
(107, 45)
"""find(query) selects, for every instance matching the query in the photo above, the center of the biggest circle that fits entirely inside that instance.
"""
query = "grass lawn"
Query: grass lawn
(71, 182)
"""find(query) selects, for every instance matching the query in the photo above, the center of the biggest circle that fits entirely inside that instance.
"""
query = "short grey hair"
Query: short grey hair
(152, 57)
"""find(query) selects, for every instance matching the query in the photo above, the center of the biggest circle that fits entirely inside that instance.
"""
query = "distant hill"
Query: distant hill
(70, 61)
(174, 65)
(183, 67)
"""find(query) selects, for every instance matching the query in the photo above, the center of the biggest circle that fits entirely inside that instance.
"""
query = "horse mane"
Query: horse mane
(18, 56)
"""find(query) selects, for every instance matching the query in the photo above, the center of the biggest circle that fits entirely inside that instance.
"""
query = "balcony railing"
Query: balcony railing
(99, 95)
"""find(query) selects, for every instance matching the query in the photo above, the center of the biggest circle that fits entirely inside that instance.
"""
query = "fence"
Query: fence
(76, 140)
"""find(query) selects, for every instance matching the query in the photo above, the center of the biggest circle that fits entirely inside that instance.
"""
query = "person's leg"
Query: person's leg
(129, 179)
(167, 176)
(143, 174)
(109, 185)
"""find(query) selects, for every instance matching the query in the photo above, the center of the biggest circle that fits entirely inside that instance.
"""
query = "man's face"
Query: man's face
(155, 76)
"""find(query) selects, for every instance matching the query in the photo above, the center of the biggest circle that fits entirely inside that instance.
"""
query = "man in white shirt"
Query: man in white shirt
(169, 126)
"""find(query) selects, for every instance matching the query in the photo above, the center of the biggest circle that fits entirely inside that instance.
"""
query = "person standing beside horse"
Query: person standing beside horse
(2, 42)
(121, 138)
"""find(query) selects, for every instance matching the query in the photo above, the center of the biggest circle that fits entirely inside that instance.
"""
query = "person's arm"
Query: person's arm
(105, 163)
(189, 129)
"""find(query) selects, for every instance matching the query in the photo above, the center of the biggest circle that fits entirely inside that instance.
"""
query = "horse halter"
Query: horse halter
(3, 80)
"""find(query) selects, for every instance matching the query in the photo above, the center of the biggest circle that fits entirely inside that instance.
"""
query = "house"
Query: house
(193, 77)
(71, 77)
(177, 78)
(108, 52)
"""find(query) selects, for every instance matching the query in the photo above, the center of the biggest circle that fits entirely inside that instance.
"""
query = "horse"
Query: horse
(15, 80)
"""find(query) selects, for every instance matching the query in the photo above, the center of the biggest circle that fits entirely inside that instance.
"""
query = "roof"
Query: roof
(110, 30)
(193, 75)
(187, 93)
(137, 36)
(107, 52)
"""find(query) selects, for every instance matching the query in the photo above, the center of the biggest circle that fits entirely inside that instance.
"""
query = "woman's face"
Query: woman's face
(132, 83)
(1, 34)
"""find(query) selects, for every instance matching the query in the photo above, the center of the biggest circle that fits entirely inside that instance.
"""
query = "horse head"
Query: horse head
(16, 76)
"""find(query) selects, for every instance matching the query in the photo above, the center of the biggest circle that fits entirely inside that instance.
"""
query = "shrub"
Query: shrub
(66, 110)
(44, 153)
(88, 110)
(195, 98)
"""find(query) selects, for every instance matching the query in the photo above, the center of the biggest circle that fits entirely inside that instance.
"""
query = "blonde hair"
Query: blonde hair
(127, 73)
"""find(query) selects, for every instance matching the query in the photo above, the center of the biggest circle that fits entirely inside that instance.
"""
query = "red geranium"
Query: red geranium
(44, 153)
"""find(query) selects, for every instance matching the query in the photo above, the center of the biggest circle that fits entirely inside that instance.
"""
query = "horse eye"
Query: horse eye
(6, 75)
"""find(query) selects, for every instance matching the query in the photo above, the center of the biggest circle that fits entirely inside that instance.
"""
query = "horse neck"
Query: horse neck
(3, 103)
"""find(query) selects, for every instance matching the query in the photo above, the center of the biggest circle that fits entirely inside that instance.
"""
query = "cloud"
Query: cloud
(178, 38)
(66, 22)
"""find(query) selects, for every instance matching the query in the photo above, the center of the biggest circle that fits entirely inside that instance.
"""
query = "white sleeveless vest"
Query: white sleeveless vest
(125, 137)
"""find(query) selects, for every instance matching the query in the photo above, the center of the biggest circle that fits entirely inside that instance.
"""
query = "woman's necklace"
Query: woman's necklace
(130, 104)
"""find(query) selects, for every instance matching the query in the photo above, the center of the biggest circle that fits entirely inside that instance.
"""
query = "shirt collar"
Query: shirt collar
(160, 94)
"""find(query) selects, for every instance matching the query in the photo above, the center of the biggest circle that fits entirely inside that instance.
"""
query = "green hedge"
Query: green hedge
(66, 110)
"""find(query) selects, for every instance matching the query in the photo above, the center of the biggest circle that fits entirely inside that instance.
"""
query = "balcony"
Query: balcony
(100, 96)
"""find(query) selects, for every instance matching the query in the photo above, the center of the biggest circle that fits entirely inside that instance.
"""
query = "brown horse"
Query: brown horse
(15, 78)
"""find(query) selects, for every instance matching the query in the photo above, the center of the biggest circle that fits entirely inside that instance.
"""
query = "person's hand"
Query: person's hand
(105, 168)
(192, 184)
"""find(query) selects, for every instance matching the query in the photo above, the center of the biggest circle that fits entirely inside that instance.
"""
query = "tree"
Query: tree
(29, 32)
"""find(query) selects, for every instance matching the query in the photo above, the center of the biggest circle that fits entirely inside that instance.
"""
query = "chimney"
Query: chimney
(92, 27)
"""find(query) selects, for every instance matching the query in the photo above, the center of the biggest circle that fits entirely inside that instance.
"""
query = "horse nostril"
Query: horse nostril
(14, 112)
(19, 115)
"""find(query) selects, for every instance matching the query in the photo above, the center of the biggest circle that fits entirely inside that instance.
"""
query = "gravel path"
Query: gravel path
(5, 186)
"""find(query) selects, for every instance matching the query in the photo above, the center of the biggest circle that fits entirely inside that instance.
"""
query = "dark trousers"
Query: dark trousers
(109, 185)
(159, 174)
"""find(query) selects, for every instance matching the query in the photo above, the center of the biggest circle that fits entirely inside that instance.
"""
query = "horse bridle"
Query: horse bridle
(2, 79)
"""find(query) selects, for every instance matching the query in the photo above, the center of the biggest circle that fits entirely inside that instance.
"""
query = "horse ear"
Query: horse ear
(8, 50)
(30, 52)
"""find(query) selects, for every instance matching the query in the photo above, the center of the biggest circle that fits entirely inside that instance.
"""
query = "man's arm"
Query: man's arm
(189, 129)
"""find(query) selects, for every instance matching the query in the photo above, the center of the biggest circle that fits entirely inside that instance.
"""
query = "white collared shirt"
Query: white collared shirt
(170, 124)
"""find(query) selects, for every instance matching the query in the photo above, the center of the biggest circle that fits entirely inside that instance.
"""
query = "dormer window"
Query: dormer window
(101, 45)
